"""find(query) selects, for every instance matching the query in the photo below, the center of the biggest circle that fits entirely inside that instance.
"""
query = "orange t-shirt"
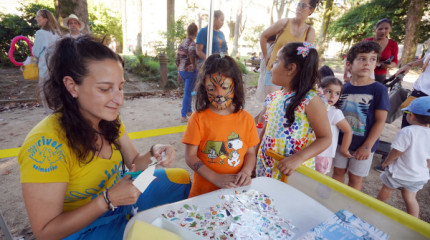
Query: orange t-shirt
(223, 141)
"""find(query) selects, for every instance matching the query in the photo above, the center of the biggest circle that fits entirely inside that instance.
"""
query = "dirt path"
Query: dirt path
(138, 114)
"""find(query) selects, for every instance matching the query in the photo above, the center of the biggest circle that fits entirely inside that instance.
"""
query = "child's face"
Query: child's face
(280, 74)
(220, 90)
(332, 93)
(363, 65)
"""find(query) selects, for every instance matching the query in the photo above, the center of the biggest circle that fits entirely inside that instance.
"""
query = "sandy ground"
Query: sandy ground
(141, 114)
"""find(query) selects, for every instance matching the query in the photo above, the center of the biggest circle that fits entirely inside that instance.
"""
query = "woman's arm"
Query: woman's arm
(142, 160)
(270, 31)
(310, 38)
(343, 125)
(194, 162)
(405, 69)
(44, 203)
(318, 119)
(38, 44)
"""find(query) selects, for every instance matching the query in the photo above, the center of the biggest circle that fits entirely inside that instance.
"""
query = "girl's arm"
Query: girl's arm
(250, 160)
(44, 203)
(363, 152)
(392, 156)
(318, 119)
(343, 125)
(199, 51)
(270, 31)
(194, 162)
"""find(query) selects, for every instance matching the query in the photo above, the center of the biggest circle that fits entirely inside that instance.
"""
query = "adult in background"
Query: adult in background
(287, 30)
(421, 86)
(186, 63)
(72, 162)
(74, 25)
(47, 34)
(219, 44)
(389, 48)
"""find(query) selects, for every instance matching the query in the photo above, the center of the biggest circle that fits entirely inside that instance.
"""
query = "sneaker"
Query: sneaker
(379, 169)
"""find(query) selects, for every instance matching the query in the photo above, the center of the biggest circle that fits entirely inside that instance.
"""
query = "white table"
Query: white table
(303, 211)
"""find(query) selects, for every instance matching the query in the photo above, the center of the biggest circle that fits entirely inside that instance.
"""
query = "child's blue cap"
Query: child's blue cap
(420, 106)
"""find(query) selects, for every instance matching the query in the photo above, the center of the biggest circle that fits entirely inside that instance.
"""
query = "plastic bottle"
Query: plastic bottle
(259, 128)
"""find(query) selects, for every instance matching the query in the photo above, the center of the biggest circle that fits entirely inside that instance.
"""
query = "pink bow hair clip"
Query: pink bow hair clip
(304, 51)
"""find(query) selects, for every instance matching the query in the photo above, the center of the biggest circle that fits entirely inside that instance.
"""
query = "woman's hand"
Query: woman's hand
(165, 154)
(225, 180)
(123, 192)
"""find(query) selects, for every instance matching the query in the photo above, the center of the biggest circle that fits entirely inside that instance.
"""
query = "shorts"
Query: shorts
(394, 183)
(357, 167)
(268, 79)
(323, 164)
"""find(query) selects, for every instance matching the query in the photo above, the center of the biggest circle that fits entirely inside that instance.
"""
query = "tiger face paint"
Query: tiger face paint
(220, 90)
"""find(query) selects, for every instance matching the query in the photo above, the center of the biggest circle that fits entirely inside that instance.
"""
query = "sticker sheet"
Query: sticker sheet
(344, 225)
(243, 215)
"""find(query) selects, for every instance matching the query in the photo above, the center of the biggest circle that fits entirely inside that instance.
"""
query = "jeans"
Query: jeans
(189, 79)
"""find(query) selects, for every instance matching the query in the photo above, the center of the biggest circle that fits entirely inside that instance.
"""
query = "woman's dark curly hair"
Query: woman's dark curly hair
(71, 57)
(226, 66)
(306, 78)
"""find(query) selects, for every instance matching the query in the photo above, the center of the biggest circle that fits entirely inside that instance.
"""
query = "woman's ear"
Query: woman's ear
(71, 86)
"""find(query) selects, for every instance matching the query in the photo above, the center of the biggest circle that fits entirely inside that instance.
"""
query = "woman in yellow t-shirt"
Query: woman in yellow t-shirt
(287, 30)
(71, 162)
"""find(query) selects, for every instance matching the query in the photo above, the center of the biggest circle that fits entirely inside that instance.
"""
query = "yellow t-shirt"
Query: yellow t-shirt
(45, 157)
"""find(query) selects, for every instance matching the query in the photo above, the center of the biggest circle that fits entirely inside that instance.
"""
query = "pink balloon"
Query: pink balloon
(12, 48)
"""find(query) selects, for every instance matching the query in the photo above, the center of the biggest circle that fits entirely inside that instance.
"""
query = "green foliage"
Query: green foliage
(15, 25)
(149, 69)
(105, 23)
(360, 21)
(252, 35)
(176, 33)
(241, 66)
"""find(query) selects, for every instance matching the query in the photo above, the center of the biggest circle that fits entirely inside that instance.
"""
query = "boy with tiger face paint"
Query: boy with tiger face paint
(221, 137)
(220, 90)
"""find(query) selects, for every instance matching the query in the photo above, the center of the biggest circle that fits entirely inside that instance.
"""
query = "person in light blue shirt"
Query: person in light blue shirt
(219, 44)
(47, 34)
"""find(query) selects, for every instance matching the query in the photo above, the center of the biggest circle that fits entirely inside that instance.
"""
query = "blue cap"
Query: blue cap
(420, 106)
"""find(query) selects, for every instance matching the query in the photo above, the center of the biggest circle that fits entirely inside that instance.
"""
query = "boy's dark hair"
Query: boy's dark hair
(422, 119)
(192, 29)
(325, 71)
(306, 78)
(363, 47)
(72, 57)
(327, 81)
(226, 66)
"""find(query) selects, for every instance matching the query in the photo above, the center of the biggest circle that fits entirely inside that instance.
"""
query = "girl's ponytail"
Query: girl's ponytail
(306, 59)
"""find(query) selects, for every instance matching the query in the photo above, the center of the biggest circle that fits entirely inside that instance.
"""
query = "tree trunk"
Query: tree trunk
(280, 8)
(414, 15)
(124, 26)
(271, 12)
(324, 26)
(139, 28)
(63, 8)
(237, 29)
(287, 9)
(170, 23)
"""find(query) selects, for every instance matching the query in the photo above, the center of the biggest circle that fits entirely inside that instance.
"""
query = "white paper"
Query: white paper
(145, 178)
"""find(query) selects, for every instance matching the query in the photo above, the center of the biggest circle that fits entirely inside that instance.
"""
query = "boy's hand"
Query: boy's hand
(225, 180)
(345, 152)
(362, 153)
(243, 179)
(384, 164)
